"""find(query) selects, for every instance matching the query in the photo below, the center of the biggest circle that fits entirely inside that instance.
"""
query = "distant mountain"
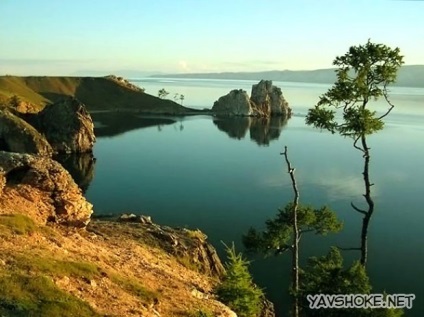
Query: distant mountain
(409, 76)
(126, 73)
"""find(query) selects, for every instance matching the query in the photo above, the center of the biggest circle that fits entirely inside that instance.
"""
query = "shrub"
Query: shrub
(237, 289)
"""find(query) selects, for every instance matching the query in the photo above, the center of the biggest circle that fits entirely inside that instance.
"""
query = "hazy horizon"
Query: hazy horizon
(47, 37)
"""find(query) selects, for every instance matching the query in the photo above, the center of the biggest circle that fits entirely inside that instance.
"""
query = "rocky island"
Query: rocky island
(266, 100)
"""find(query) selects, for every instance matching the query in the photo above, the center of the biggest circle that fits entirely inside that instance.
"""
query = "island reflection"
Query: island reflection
(262, 130)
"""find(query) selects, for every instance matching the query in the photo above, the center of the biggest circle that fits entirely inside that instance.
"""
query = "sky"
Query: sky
(68, 37)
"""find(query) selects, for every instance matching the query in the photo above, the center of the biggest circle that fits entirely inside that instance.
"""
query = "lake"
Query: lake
(224, 176)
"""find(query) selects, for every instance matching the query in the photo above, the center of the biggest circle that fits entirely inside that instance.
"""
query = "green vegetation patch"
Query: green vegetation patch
(17, 224)
(135, 288)
(45, 265)
(22, 295)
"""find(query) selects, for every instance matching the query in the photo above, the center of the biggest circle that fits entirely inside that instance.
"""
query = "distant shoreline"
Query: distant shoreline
(409, 76)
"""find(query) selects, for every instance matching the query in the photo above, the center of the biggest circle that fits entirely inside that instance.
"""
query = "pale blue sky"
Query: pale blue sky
(61, 37)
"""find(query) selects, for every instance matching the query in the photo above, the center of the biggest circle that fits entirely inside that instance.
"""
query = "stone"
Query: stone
(128, 218)
(235, 103)
(67, 126)
(17, 135)
(147, 220)
(41, 188)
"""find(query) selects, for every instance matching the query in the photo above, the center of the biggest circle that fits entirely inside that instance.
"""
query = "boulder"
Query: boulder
(67, 126)
(41, 188)
(16, 135)
(235, 103)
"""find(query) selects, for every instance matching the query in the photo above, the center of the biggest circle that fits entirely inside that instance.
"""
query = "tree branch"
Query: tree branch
(349, 249)
(356, 146)
(358, 209)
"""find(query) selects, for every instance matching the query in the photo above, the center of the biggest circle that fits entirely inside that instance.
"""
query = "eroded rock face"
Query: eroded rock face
(41, 188)
(67, 125)
(16, 135)
(235, 103)
(269, 98)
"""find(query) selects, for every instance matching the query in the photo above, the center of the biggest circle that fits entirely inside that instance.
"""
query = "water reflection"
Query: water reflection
(108, 124)
(262, 130)
(80, 166)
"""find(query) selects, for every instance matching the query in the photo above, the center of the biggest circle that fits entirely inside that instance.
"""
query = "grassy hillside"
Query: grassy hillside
(97, 93)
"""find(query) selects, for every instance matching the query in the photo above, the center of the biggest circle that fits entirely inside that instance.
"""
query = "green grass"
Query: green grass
(135, 288)
(49, 266)
(188, 263)
(17, 224)
(97, 93)
(23, 295)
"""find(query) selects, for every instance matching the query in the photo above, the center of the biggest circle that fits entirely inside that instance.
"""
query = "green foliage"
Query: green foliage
(162, 93)
(17, 224)
(237, 289)
(23, 295)
(327, 275)
(279, 231)
(363, 75)
(136, 288)
(36, 264)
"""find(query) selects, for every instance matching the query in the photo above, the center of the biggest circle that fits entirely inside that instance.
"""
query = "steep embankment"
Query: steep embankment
(52, 265)
(97, 93)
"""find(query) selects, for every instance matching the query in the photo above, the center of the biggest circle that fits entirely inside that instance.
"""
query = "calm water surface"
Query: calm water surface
(225, 176)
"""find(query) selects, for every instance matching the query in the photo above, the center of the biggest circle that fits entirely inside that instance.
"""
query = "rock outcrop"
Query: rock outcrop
(80, 166)
(41, 188)
(67, 126)
(269, 99)
(191, 247)
(235, 103)
(266, 100)
(16, 135)
(62, 127)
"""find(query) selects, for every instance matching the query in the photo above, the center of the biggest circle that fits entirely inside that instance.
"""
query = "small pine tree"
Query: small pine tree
(237, 289)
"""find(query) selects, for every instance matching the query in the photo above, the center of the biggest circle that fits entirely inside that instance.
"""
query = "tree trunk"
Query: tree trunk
(296, 238)
(370, 203)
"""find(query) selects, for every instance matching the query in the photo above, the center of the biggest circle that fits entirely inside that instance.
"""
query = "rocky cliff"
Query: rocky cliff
(42, 189)
(17, 135)
(62, 127)
(266, 100)
(67, 126)
(53, 264)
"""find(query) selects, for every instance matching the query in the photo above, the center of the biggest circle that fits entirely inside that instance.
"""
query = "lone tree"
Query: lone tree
(237, 289)
(182, 99)
(283, 233)
(363, 76)
(162, 93)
